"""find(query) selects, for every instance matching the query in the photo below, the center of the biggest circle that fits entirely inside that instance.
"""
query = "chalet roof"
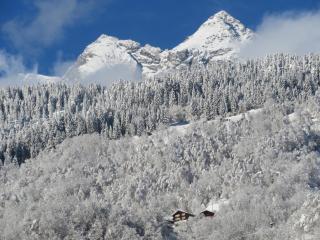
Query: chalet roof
(181, 211)
(208, 213)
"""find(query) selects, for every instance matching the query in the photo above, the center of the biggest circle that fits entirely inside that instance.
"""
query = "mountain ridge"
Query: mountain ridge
(218, 38)
(109, 58)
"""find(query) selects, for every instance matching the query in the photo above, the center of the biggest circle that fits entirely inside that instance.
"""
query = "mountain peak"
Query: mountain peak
(104, 37)
(221, 15)
(103, 58)
(219, 34)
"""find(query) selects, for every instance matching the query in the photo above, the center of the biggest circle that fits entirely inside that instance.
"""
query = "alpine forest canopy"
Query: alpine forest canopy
(264, 167)
(33, 118)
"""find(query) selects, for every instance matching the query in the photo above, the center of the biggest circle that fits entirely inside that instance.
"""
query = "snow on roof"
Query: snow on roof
(215, 206)
(246, 115)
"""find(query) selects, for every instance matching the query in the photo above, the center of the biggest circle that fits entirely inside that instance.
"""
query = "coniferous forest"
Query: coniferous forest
(89, 162)
(35, 117)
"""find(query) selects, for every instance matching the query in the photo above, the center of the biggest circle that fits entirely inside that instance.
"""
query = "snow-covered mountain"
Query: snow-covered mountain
(109, 58)
(220, 35)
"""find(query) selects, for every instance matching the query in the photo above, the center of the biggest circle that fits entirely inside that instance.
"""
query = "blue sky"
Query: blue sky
(47, 32)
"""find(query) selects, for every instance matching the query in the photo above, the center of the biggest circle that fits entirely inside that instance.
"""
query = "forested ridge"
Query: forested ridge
(35, 117)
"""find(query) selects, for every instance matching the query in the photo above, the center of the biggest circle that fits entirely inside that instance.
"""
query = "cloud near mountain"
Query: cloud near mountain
(290, 32)
(49, 23)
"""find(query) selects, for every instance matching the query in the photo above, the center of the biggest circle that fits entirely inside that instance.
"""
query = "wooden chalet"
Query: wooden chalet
(181, 216)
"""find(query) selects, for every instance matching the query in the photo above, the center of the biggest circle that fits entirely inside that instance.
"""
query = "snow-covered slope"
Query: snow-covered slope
(121, 189)
(109, 58)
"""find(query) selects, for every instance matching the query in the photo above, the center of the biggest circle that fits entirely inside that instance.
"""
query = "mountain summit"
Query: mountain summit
(220, 34)
(109, 58)
(104, 59)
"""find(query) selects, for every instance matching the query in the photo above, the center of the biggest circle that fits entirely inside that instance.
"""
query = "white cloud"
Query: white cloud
(10, 64)
(105, 76)
(44, 28)
(290, 32)
(12, 69)
(49, 24)
(109, 75)
(61, 66)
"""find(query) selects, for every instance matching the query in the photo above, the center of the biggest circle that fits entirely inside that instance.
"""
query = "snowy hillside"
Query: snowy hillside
(109, 58)
(240, 138)
(263, 168)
